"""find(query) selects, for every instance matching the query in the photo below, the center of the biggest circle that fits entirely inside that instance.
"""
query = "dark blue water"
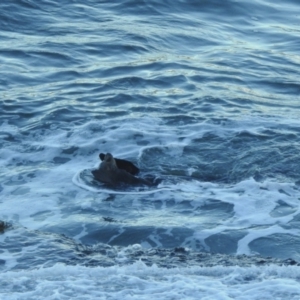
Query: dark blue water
(202, 94)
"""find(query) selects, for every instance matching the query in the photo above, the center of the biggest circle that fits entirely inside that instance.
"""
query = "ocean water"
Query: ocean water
(201, 94)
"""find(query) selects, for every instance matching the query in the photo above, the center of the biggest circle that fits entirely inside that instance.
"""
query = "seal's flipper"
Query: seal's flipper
(123, 165)
(127, 166)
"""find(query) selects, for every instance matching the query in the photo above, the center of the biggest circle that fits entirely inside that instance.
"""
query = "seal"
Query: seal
(123, 164)
(109, 173)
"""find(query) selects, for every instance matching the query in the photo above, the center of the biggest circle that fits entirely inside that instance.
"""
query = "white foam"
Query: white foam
(252, 207)
(138, 281)
(254, 234)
